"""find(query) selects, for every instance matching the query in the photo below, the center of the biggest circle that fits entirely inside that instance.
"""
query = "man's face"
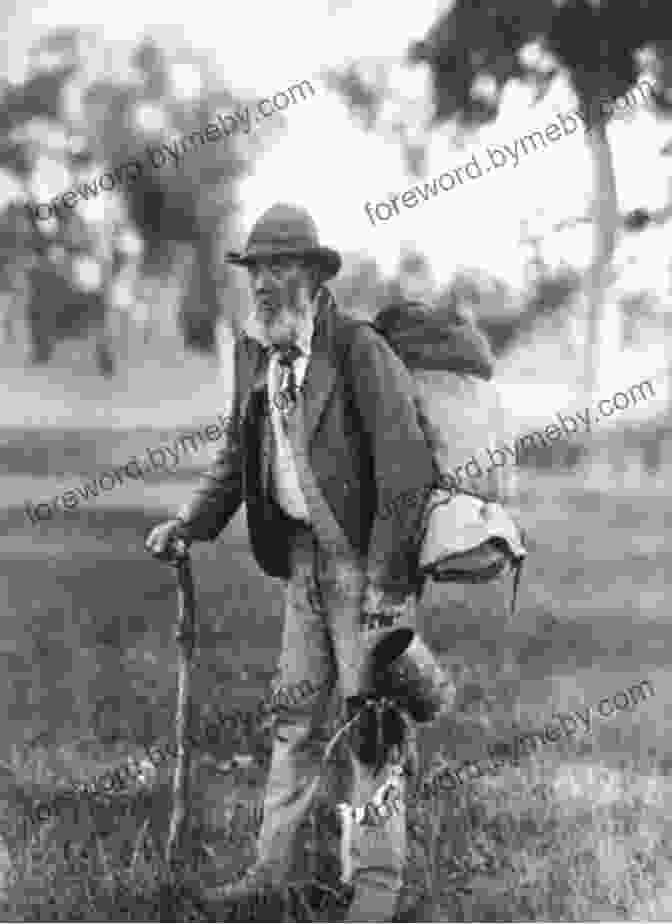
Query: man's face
(282, 292)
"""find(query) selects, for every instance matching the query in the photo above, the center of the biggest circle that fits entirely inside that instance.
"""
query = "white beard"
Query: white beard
(286, 327)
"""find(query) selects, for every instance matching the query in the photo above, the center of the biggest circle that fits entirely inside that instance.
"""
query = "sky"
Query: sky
(332, 167)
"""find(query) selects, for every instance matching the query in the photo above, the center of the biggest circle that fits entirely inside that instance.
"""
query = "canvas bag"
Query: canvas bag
(469, 535)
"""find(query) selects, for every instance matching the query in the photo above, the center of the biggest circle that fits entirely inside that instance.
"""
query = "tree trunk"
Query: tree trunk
(599, 340)
(200, 308)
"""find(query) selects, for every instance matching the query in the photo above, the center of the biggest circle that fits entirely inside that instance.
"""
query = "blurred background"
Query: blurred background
(117, 321)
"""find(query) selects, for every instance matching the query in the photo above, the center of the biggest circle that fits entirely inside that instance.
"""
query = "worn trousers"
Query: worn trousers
(323, 647)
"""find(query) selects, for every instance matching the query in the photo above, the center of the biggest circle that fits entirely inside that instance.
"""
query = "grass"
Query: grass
(576, 833)
(565, 837)
(85, 453)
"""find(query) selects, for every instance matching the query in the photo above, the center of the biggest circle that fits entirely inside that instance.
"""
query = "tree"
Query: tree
(110, 114)
(477, 47)
(55, 309)
(194, 204)
(359, 288)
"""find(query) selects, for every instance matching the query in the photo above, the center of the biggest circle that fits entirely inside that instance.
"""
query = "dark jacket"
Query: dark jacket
(365, 448)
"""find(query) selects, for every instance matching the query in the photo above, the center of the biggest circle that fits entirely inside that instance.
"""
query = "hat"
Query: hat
(286, 230)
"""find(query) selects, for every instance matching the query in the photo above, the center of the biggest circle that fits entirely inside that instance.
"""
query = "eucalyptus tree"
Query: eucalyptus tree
(109, 110)
(603, 48)
(193, 202)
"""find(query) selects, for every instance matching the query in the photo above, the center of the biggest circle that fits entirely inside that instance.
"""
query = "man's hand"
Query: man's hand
(164, 540)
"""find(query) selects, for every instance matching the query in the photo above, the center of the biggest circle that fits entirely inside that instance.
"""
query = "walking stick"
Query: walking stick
(185, 636)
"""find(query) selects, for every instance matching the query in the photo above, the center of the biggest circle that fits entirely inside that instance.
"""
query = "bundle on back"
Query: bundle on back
(468, 534)
(458, 400)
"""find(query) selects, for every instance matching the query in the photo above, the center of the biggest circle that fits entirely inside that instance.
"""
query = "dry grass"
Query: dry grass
(576, 833)
(564, 837)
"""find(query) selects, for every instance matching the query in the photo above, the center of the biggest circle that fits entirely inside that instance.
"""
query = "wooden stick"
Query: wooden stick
(186, 640)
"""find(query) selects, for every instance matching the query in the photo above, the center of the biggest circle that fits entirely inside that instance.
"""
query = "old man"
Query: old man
(324, 437)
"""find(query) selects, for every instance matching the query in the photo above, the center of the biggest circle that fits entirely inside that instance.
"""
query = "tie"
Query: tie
(285, 400)
(287, 393)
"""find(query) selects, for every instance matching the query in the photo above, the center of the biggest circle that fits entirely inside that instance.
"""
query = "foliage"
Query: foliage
(193, 203)
(359, 287)
(364, 99)
(105, 121)
(474, 49)
(504, 317)
(39, 97)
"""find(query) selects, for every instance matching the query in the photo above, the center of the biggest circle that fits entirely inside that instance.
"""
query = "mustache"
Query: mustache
(293, 307)
(274, 311)
(291, 296)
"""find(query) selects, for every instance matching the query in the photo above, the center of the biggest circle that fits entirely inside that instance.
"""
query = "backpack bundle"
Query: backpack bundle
(469, 535)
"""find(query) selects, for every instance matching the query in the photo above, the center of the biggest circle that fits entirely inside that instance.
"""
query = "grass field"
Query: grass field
(578, 832)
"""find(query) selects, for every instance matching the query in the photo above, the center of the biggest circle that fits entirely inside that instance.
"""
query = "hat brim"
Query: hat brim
(329, 260)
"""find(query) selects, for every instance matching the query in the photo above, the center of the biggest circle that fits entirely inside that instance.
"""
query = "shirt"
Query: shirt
(288, 492)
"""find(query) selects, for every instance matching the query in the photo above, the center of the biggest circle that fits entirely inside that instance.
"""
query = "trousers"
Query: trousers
(322, 652)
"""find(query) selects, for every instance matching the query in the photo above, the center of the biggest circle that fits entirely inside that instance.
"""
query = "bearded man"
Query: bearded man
(325, 436)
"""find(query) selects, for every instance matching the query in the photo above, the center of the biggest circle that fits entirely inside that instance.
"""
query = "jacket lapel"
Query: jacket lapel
(321, 373)
(252, 373)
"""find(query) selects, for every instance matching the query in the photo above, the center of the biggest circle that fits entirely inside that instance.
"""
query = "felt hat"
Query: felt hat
(287, 230)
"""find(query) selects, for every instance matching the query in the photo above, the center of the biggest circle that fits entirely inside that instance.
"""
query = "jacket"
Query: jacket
(364, 444)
